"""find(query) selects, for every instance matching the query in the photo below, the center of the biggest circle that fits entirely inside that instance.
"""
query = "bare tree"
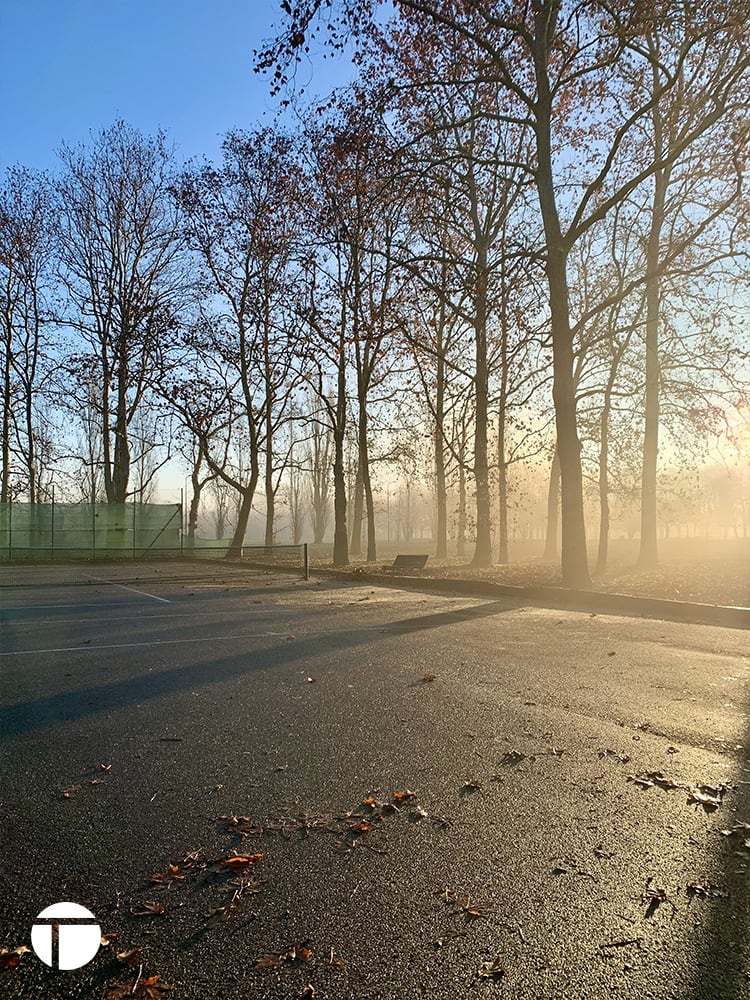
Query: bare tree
(26, 251)
(118, 251)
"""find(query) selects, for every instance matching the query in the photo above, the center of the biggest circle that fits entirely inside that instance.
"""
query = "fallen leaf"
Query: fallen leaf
(471, 786)
(147, 909)
(428, 678)
(308, 992)
(299, 953)
(401, 798)
(704, 891)
(601, 852)
(105, 767)
(647, 779)
(272, 961)
(361, 827)
(146, 988)
(241, 862)
(492, 970)
(165, 880)
(132, 957)
(10, 958)
(512, 757)
(708, 796)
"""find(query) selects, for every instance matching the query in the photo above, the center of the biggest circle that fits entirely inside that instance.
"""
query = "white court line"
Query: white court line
(155, 642)
(131, 589)
(172, 616)
(54, 607)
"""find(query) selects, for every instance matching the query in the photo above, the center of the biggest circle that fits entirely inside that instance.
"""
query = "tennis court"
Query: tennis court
(176, 714)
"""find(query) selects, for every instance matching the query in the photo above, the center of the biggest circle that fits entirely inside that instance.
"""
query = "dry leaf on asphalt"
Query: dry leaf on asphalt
(299, 953)
(240, 862)
(647, 779)
(165, 880)
(739, 830)
(428, 678)
(146, 988)
(132, 957)
(10, 958)
(492, 970)
(707, 891)
(654, 896)
(401, 798)
(144, 908)
(708, 796)
(308, 992)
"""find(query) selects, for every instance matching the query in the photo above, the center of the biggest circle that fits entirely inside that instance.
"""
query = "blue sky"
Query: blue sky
(69, 66)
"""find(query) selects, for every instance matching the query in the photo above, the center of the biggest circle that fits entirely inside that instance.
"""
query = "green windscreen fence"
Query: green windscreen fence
(88, 530)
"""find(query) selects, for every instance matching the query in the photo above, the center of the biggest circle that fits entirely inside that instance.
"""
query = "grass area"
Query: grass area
(709, 571)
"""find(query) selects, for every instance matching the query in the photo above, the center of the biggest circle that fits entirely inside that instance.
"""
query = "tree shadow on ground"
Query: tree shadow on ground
(71, 706)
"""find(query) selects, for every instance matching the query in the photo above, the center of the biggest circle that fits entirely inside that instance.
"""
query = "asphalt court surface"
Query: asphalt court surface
(142, 703)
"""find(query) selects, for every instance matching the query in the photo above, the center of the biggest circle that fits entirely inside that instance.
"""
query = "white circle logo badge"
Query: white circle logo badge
(66, 936)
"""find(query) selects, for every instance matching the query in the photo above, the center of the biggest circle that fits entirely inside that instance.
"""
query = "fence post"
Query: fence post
(182, 521)
(306, 560)
(93, 531)
(134, 526)
(10, 530)
(52, 540)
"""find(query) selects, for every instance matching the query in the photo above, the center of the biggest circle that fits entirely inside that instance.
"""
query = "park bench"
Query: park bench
(407, 562)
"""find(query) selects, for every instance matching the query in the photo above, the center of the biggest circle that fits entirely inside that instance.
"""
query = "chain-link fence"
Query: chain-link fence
(45, 531)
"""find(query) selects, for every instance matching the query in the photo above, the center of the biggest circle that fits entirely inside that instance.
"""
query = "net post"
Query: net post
(306, 560)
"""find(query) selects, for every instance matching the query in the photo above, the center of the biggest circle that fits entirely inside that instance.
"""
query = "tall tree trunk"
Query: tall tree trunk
(121, 464)
(648, 555)
(7, 406)
(364, 461)
(461, 528)
(483, 545)
(574, 559)
(603, 550)
(553, 506)
(268, 481)
(340, 541)
(243, 516)
(441, 497)
(355, 539)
